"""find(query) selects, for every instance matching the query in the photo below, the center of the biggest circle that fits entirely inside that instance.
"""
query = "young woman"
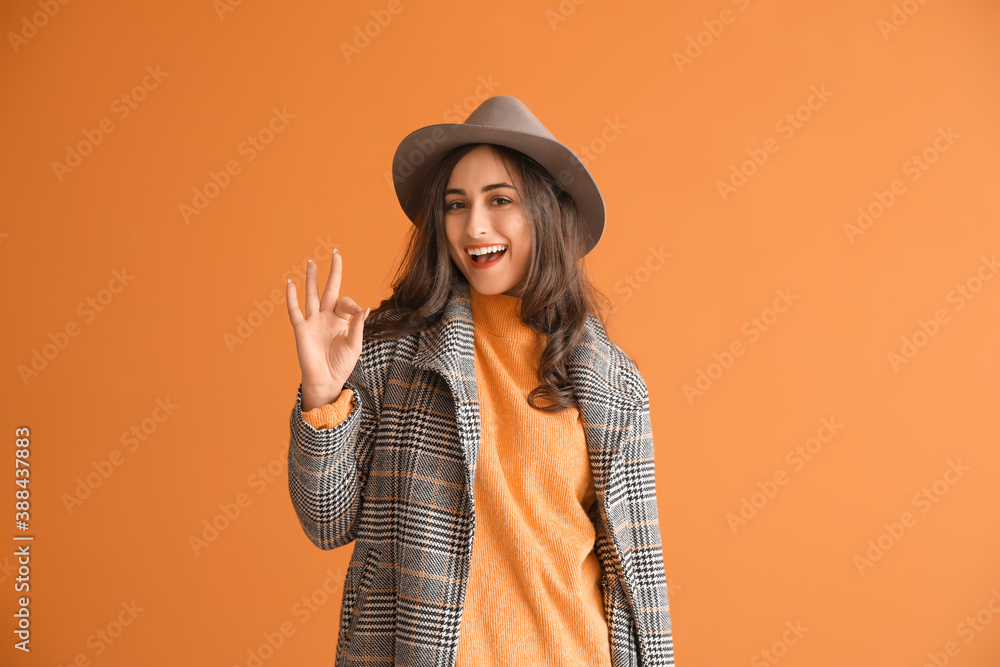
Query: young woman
(478, 436)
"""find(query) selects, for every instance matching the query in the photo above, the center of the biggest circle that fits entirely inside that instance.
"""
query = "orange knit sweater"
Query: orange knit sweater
(534, 593)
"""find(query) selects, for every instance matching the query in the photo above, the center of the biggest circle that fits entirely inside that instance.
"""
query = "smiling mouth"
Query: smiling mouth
(488, 257)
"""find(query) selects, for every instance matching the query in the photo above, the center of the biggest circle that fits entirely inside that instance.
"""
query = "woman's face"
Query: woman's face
(482, 208)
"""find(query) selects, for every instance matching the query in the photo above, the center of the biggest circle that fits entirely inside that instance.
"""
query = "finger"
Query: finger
(346, 306)
(355, 333)
(332, 290)
(312, 296)
(292, 301)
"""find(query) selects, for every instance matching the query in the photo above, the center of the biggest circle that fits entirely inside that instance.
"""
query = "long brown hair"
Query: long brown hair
(557, 296)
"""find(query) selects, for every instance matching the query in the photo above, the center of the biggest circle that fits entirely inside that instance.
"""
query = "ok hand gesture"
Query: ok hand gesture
(328, 338)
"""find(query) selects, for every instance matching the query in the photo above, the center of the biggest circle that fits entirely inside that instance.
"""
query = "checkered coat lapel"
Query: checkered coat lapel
(397, 476)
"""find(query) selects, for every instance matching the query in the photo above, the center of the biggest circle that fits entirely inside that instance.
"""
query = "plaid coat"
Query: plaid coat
(396, 477)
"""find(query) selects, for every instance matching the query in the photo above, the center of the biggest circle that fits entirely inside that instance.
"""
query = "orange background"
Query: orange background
(679, 128)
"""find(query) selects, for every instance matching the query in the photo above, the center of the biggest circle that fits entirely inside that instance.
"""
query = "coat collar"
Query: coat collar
(448, 348)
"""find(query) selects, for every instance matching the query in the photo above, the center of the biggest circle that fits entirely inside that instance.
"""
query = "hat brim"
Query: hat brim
(420, 150)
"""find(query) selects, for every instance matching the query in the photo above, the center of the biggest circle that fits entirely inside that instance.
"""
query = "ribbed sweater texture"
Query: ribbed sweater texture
(534, 592)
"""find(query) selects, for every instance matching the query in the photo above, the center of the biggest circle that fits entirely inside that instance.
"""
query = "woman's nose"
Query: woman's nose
(478, 221)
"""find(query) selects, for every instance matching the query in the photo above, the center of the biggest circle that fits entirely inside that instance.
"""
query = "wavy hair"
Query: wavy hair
(557, 296)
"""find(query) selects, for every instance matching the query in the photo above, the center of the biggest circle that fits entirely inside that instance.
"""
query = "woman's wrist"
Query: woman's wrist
(315, 397)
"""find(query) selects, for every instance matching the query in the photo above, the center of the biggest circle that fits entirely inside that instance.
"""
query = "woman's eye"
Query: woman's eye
(450, 206)
(505, 200)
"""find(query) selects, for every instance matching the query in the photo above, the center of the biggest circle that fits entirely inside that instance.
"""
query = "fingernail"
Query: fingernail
(367, 311)
(335, 251)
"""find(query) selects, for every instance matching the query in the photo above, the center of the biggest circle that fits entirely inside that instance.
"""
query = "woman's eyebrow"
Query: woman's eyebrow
(486, 188)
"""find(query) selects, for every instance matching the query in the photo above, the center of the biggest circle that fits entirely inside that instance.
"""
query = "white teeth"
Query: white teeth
(483, 251)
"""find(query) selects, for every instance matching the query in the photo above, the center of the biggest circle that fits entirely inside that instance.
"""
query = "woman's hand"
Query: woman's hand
(328, 338)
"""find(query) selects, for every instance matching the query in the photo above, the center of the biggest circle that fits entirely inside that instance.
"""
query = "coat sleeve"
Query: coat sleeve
(649, 600)
(328, 416)
(328, 467)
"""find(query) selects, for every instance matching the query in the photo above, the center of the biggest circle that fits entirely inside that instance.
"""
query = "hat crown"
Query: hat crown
(507, 113)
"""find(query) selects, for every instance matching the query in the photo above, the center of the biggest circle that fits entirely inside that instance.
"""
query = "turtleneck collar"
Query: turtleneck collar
(500, 315)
